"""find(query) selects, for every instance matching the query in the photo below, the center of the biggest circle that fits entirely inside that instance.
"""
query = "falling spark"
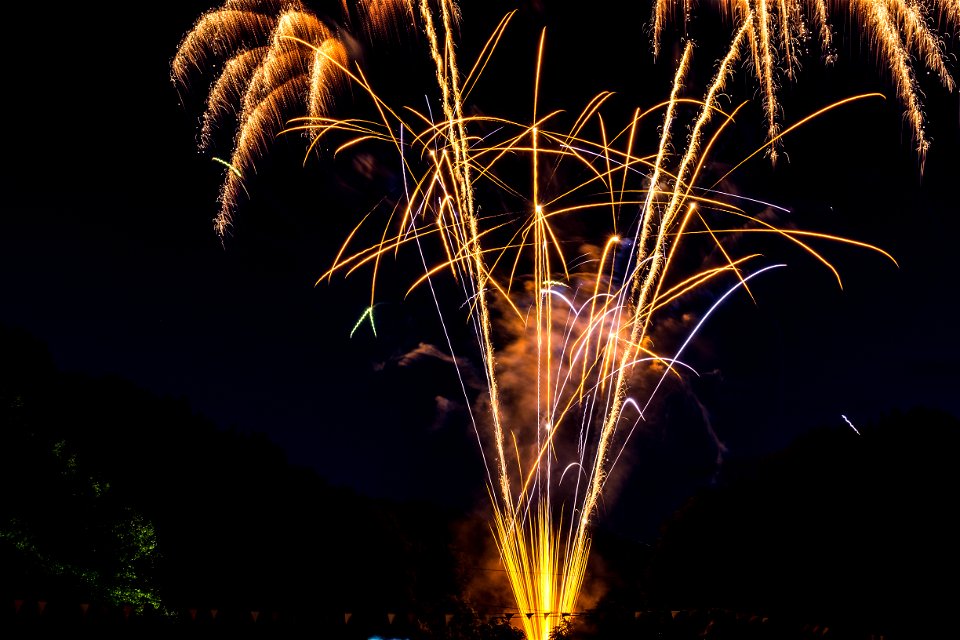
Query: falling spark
(847, 420)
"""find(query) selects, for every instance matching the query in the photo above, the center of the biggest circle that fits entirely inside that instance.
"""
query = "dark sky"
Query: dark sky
(108, 255)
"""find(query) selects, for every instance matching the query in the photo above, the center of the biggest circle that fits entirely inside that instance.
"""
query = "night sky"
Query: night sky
(108, 255)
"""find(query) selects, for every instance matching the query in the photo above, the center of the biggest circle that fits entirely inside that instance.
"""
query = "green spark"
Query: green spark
(228, 166)
(367, 313)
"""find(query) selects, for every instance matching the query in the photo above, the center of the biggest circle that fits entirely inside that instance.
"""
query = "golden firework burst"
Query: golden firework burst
(896, 31)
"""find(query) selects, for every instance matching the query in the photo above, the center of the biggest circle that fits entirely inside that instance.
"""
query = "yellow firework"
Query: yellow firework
(277, 58)
(563, 332)
(897, 31)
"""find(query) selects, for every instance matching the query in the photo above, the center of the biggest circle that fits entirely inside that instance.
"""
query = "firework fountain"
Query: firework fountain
(584, 318)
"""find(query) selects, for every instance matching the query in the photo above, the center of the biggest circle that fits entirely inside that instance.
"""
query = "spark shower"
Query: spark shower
(580, 315)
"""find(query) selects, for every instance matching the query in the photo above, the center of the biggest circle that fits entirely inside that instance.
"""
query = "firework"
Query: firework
(277, 58)
(898, 31)
(550, 433)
